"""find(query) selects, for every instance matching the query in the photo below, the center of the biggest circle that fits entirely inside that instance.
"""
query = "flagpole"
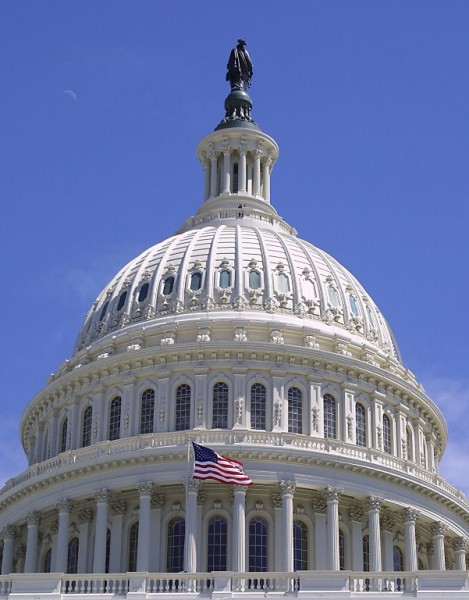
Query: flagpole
(188, 457)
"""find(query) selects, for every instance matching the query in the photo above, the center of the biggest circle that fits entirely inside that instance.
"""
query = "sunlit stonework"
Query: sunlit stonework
(238, 335)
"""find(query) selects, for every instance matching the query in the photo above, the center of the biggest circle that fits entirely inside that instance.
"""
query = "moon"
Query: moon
(71, 94)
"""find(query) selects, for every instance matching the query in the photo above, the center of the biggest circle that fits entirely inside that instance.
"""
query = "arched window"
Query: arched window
(398, 559)
(196, 281)
(369, 314)
(168, 286)
(254, 280)
(258, 397)
(235, 178)
(366, 552)
(217, 543)
(257, 545)
(86, 430)
(387, 434)
(115, 418)
(295, 410)
(143, 293)
(175, 550)
(220, 406)
(63, 435)
(333, 296)
(108, 550)
(147, 411)
(282, 283)
(133, 544)
(360, 424)
(224, 280)
(300, 546)
(354, 306)
(103, 310)
(183, 407)
(122, 298)
(72, 557)
(330, 417)
(341, 550)
(409, 446)
(47, 563)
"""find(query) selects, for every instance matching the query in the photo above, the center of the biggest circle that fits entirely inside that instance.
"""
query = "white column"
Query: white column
(145, 489)
(388, 525)
(460, 547)
(227, 170)
(278, 532)
(410, 518)
(332, 498)
(239, 529)
(256, 187)
(287, 488)
(266, 176)
(157, 501)
(242, 170)
(190, 548)
(438, 533)
(356, 519)
(118, 508)
(431, 466)
(8, 534)
(206, 167)
(373, 507)
(320, 533)
(85, 517)
(34, 520)
(99, 556)
(64, 507)
(213, 175)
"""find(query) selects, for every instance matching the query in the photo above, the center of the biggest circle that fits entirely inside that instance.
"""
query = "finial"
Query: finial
(238, 104)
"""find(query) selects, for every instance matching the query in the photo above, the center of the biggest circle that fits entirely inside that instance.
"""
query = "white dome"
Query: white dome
(266, 269)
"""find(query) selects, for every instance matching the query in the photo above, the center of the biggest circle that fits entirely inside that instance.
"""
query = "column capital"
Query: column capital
(145, 488)
(102, 496)
(373, 503)
(332, 494)
(64, 505)
(287, 487)
(157, 500)
(85, 515)
(34, 518)
(192, 485)
(118, 507)
(460, 544)
(388, 524)
(410, 514)
(237, 489)
(356, 513)
(438, 528)
(8, 532)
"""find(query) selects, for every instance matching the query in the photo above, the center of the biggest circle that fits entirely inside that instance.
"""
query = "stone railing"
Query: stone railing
(239, 440)
(310, 584)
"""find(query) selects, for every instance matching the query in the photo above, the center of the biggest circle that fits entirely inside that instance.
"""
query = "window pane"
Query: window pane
(386, 434)
(168, 286)
(366, 553)
(217, 542)
(225, 279)
(300, 546)
(330, 427)
(72, 558)
(196, 281)
(295, 410)
(121, 302)
(63, 437)
(333, 296)
(410, 454)
(341, 550)
(254, 280)
(220, 406)
(183, 407)
(108, 550)
(143, 292)
(283, 284)
(360, 424)
(257, 545)
(258, 396)
(175, 551)
(103, 311)
(398, 559)
(354, 305)
(147, 412)
(115, 419)
(87, 421)
(47, 561)
(133, 544)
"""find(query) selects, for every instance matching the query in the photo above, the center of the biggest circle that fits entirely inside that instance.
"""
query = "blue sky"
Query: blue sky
(102, 104)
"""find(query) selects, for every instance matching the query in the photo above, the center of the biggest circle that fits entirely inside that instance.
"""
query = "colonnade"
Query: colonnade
(109, 514)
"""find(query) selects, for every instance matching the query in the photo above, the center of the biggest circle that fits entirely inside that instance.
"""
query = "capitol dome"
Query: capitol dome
(239, 336)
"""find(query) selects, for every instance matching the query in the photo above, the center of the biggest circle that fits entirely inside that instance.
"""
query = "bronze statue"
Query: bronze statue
(239, 67)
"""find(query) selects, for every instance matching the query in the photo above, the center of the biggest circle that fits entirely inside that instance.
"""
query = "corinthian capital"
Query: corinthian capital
(145, 488)
(438, 528)
(9, 532)
(192, 485)
(460, 544)
(34, 518)
(287, 487)
(332, 494)
(373, 503)
(102, 496)
(410, 515)
(64, 505)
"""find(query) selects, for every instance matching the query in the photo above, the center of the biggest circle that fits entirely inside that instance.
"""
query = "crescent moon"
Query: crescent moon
(71, 94)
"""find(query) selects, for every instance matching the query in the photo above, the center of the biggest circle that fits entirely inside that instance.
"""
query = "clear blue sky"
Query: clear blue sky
(102, 104)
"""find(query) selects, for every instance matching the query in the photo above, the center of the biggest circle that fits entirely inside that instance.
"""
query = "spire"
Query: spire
(238, 103)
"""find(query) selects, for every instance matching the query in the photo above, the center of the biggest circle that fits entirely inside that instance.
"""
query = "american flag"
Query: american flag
(210, 465)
